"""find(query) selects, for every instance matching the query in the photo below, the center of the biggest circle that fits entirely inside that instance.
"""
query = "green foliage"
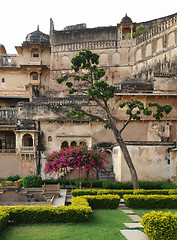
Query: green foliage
(56, 181)
(139, 31)
(32, 181)
(117, 185)
(143, 185)
(150, 201)
(13, 178)
(4, 217)
(160, 226)
(173, 192)
(79, 192)
(135, 108)
(120, 192)
(103, 201)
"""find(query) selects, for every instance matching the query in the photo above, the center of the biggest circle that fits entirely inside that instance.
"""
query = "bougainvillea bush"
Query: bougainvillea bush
(80, 157)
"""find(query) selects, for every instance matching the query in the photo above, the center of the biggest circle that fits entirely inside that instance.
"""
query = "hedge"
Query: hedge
(49, 214)
(79, 211)
(103, 201)
(4, 217)
(160, 226)
(143, 185)
(150, 201)
(78, 192)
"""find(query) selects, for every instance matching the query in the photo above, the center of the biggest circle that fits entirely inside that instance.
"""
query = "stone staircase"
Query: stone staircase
(107, 175)
(68, 197)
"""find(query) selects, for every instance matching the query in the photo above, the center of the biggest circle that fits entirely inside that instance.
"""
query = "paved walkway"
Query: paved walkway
(60, 201)
(133, 233)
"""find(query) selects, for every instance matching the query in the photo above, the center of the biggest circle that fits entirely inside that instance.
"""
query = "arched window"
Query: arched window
(64, 145)
(35, 52)
(73, 143)
(34, 76)
(27, 140)
(49, 139)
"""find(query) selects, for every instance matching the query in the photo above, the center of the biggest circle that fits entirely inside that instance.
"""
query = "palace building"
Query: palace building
(33, 106)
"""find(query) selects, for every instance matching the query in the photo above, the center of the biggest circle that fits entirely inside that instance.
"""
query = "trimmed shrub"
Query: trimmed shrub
(4, 217)
(79, 192)
(160, 226)
(49, 214)
(143, 185)
(13, 178)
(32, 181)
(173, 192)
(150, 201)
(117, 185)
(114, 192)
(103, 201)
(151, 192)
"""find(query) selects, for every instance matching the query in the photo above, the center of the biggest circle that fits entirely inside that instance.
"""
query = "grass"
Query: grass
(105, 224)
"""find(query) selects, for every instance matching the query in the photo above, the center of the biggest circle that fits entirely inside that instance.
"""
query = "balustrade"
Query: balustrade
(8, 113)
(27, 149)
(156, 30)
(84, 45)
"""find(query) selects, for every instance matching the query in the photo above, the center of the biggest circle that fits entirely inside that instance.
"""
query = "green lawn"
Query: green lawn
(105, 224)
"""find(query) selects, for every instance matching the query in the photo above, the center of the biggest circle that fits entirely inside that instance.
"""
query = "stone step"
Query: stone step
(134, 234)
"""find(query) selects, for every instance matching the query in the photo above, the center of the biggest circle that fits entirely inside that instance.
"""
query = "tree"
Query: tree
(139, 31)
(75, 157)
(85, 65)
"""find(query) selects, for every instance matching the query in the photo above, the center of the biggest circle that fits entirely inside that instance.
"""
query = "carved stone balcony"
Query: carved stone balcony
(28, 150)
(8, 113)
(35, 61)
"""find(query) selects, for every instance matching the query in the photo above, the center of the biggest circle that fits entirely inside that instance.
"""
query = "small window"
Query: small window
(49, 139)
(36, 55)
(34, 76)
(3, 80)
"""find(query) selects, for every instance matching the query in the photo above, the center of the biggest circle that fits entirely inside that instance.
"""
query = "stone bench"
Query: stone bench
(10, 185)
(52, 189)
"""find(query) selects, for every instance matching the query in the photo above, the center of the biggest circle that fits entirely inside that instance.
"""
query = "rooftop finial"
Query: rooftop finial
(37, 27)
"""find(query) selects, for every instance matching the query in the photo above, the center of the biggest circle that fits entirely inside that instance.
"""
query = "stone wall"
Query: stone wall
(152, 162)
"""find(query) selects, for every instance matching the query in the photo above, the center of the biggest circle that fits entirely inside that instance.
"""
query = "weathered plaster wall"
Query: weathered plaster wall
(11, 164)
(151, 162)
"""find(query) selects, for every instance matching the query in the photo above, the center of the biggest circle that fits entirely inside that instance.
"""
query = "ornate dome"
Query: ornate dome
(37, 37)
(126, 19)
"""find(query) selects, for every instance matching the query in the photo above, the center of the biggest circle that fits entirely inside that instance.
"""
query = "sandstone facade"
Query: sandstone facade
(33, 105)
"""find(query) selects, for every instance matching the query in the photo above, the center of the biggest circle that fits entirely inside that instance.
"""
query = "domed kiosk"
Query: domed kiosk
(126, 26)
(37, 37)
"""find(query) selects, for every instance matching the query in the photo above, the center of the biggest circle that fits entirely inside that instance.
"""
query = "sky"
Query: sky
(20, 17)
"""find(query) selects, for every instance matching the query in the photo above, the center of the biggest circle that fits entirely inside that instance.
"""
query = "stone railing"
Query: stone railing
(157, 29)
(11, 150)
(27, 149)
(84, 101)
(35, 61)
(8, 113)
(79, 46)
(7, 61)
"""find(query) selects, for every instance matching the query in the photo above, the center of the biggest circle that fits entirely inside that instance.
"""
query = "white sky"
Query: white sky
(20, 17)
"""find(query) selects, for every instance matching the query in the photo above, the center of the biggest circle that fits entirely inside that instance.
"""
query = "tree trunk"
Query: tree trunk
(128, 159)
